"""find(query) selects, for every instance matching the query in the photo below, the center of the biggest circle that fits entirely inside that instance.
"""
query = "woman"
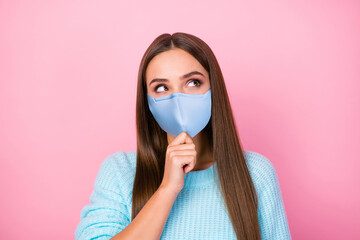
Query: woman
(189, 178)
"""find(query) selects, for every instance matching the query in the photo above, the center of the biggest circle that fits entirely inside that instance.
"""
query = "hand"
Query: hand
(180, 159)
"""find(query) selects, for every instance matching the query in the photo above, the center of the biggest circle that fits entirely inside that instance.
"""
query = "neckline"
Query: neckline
(199, 178)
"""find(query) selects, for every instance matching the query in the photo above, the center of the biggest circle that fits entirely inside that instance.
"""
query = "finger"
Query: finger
(182, 152)
(184, 159)
(190, 166)
(188, 146)
(183, 137)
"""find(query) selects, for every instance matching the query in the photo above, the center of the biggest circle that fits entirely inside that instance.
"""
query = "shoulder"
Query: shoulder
(120, 161)
(261, 169)
(117, 172)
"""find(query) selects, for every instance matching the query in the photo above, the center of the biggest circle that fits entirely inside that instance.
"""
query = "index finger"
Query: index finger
(183, 137)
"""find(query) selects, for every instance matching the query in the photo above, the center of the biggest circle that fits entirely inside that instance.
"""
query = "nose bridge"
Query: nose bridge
(178, 89)
(176, 84)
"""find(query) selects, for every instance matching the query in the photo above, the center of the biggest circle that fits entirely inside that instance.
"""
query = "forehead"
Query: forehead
(172, 64)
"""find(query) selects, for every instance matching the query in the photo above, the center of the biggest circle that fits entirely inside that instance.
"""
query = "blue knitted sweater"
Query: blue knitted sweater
(198, 212)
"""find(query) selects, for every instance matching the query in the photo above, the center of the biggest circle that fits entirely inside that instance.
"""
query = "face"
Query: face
(176, 71)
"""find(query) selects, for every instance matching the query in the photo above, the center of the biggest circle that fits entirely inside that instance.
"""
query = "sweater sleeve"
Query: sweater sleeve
(272, 216)
(106, 215)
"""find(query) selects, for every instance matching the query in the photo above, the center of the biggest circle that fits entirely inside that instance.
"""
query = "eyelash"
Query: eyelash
(191, 80)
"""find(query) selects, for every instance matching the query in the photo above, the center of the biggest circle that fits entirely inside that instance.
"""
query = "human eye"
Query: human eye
(159, 86)
(198, 82)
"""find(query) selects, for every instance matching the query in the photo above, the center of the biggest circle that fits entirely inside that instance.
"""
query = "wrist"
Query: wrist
(168, 190)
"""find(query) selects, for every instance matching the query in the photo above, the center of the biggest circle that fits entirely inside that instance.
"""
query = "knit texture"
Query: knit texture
(199, 211)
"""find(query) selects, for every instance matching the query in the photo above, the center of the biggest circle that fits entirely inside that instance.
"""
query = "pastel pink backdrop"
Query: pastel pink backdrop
(68, 72)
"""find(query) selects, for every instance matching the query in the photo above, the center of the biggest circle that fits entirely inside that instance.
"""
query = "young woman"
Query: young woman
(189, 177)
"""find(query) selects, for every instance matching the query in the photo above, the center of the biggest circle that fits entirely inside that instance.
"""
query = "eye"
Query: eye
(198, 82)
(159, 86)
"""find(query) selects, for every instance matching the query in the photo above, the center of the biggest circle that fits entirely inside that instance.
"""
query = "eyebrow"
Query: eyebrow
(183, 77)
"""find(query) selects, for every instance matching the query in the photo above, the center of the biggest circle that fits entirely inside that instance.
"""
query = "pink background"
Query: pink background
(68, 72)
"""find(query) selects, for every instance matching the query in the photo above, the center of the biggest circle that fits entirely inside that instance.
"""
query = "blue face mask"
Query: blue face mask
(181, 112)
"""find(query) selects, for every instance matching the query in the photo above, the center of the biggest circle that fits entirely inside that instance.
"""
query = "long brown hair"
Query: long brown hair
(236, 184)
